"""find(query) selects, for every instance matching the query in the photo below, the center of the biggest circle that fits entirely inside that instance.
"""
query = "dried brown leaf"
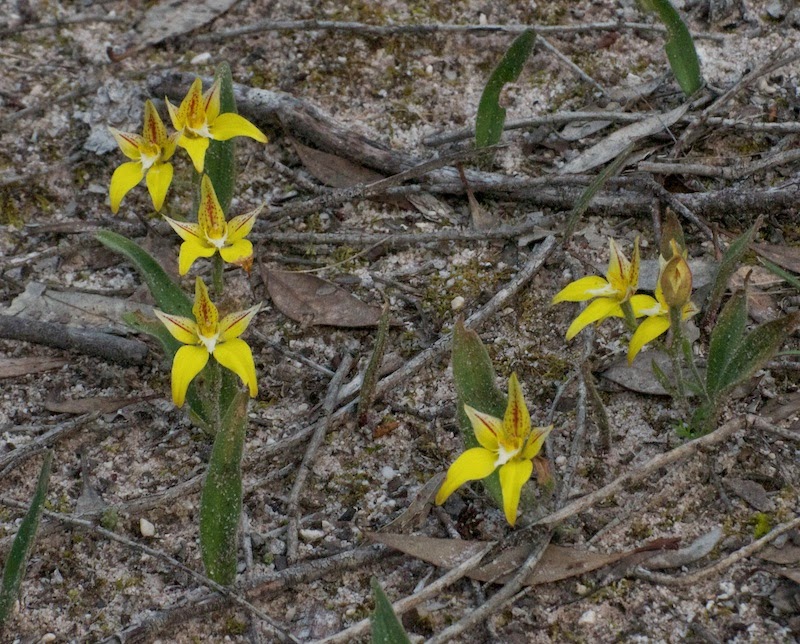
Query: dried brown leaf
(169, 19)
(87, 405)
(14, 367)
(787, 257)
(311, 300)
(787, 555)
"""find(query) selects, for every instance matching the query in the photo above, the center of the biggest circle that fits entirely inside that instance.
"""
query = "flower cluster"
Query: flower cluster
(196, 121)
(617, 292)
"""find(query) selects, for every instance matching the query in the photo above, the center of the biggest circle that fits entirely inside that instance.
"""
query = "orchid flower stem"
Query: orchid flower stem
(630, 318)
(675, 352)
(214, 391)
(217, 266)
(689, 358)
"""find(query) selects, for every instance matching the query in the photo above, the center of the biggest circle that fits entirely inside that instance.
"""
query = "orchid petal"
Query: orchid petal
(184, 330)
(168, 149)
(633, 272)
(474, 464)
(513, 475)
(600, 309)
(645, 305)
(210, 216)
(188, 362)
(536, 441)
(234, 324)
(154, 130)
(646, 332)
(196, 146)
(517, 420)
(204, 310)
(487, 429)
(228, 125)
(239, 227)
(174, 116)
(191, 250)
(618, 268)
(130, 144)
(187, 230)
(212, 100)
(158, 179)
(584, 288)
(125, 178)
(192, 112)
(236, 355)
(235, 253)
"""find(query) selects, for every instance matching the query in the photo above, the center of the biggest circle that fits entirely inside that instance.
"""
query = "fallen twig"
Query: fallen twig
(60, 336)
(293, 505)
(722, 564)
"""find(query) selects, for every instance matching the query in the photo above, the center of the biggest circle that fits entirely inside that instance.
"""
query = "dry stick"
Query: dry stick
(670, 199)
(730, 173)
(541, 40)
(412, 601)
(293, 505)
(171, 561)
(60, 336)
(269, 583)
(722, 564)
(405, 239)
(764, 425)
(662, 460)
(58, 23)
(59, 432)
(393, 30)
(561, 118)
(773, 62)
(500, 598)
(43, 105)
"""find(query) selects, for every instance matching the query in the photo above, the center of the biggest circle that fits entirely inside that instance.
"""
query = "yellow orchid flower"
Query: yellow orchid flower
(510, 444)
(198, 120)
(150, 153)
(205, 336)
(620, 283)
(656, 311)
(212, 234)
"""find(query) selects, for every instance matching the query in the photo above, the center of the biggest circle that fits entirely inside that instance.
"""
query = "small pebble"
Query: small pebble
(47, 637)
(387, 472)
(201, 59)
(588, 618)
(458, 303)
(310, 536)
(146, 528)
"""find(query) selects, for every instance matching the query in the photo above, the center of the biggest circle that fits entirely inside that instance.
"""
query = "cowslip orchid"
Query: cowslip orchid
(510, 444)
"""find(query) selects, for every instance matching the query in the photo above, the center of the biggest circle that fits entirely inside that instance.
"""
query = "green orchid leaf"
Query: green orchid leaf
(220, 164)
(725, 338)
(221, 499)
(752, 353)
(386, 628)
(475, 378)
(680, 48)
(367, 394)
(14, 569)
(491, 116)
(789, 278)
(168, 295)
(730, 261)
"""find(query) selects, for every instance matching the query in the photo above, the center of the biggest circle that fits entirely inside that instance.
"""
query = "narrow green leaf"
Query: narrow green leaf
(14, 570)
(168, 295)
(367, 393)
(611, 170)
(725, 338)
(475, 378)
(491, 116)
(752, 353)
(220, 164)
(386, 628)
(221, 499)
(663, 379)
(730, 260)
(788, 277)
(680, 48)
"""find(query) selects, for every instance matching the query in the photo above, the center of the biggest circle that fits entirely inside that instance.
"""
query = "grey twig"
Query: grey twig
(393, 30)
(60, 336)
(722, 565)
(293, 505)
(541, 40)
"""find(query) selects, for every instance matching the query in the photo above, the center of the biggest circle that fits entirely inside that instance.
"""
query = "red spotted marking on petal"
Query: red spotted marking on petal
(177, 322)
(486, 425)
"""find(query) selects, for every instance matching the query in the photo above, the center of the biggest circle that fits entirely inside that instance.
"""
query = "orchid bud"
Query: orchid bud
(676, 282)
